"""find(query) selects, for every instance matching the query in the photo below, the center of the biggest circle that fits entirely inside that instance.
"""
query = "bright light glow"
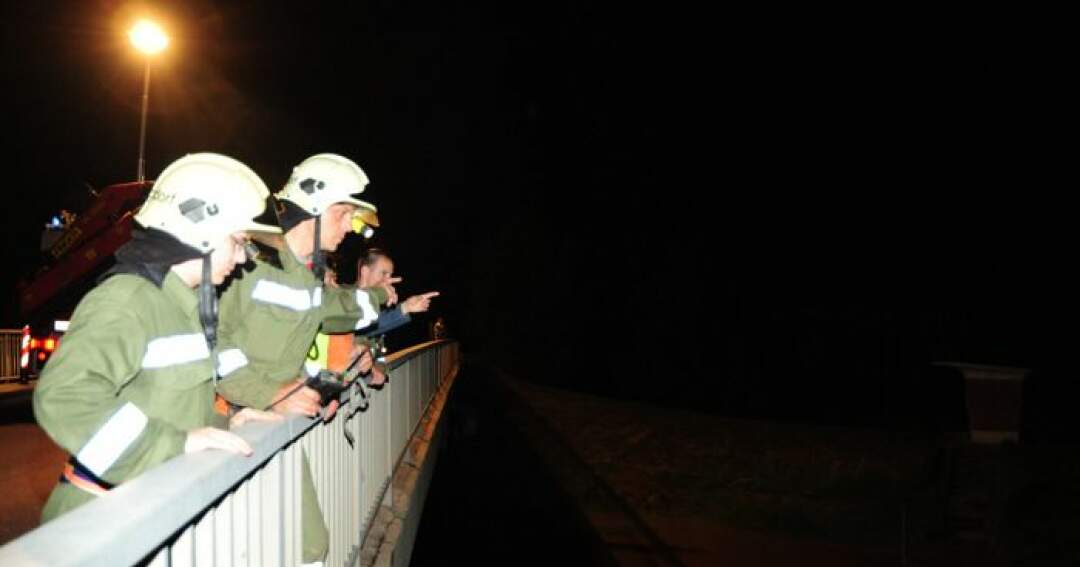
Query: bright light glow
(50, 344)
(148, 37)
(41, 356)
(33, 344)
(60, 326)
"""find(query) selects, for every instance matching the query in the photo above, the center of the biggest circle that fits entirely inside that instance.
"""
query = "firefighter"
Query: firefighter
(271, 314)
(334, 352)
(132, 384)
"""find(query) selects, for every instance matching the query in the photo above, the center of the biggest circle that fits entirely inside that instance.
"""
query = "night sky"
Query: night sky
(772, 214)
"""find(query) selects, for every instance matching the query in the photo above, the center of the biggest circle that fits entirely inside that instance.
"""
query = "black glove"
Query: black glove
(328, 388)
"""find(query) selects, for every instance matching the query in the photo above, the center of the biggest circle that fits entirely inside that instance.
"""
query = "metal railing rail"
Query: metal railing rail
(213, 508)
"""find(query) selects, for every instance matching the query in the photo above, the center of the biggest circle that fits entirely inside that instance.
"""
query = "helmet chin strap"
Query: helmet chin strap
(318, 259)
(208, 304)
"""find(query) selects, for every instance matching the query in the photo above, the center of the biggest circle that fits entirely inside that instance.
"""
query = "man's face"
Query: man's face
(377, 273)
(336, 224)
(226, 255)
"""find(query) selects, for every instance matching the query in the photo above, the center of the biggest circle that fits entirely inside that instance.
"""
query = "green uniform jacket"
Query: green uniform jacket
(269, 317)
(132, 376)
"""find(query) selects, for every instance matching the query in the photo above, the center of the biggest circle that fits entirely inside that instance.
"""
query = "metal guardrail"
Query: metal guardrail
(213, 508)
(9, 353)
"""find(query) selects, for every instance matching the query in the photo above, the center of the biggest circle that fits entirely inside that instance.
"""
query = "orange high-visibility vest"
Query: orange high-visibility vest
(331, 351)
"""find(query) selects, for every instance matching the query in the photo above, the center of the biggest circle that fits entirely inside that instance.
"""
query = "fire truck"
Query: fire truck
(76, 250)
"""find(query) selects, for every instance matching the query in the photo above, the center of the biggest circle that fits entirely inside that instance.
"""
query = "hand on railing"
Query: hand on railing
(378, 377)
(294, 397)
(364, 361)
(363, 365)
(330, 410)
(304, 400)
(251, 414)
(214, 438)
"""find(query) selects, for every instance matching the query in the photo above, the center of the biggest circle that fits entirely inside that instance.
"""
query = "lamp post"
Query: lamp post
(149, 39)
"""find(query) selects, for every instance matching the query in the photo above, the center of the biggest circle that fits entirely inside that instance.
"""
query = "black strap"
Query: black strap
(208, 305)
(318, 258)
(85, 474)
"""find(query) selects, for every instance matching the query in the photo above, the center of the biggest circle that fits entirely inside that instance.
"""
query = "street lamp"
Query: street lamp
(148, 38)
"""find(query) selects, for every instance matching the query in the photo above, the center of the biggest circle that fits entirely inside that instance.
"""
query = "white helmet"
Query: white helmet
(323, 180)
(201, 198)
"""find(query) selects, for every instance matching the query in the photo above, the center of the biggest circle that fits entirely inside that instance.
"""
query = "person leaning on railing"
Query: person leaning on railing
(132, 383)
(272, 313)
(375, 268)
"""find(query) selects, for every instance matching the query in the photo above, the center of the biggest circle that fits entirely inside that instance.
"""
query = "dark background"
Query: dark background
(775, 214)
